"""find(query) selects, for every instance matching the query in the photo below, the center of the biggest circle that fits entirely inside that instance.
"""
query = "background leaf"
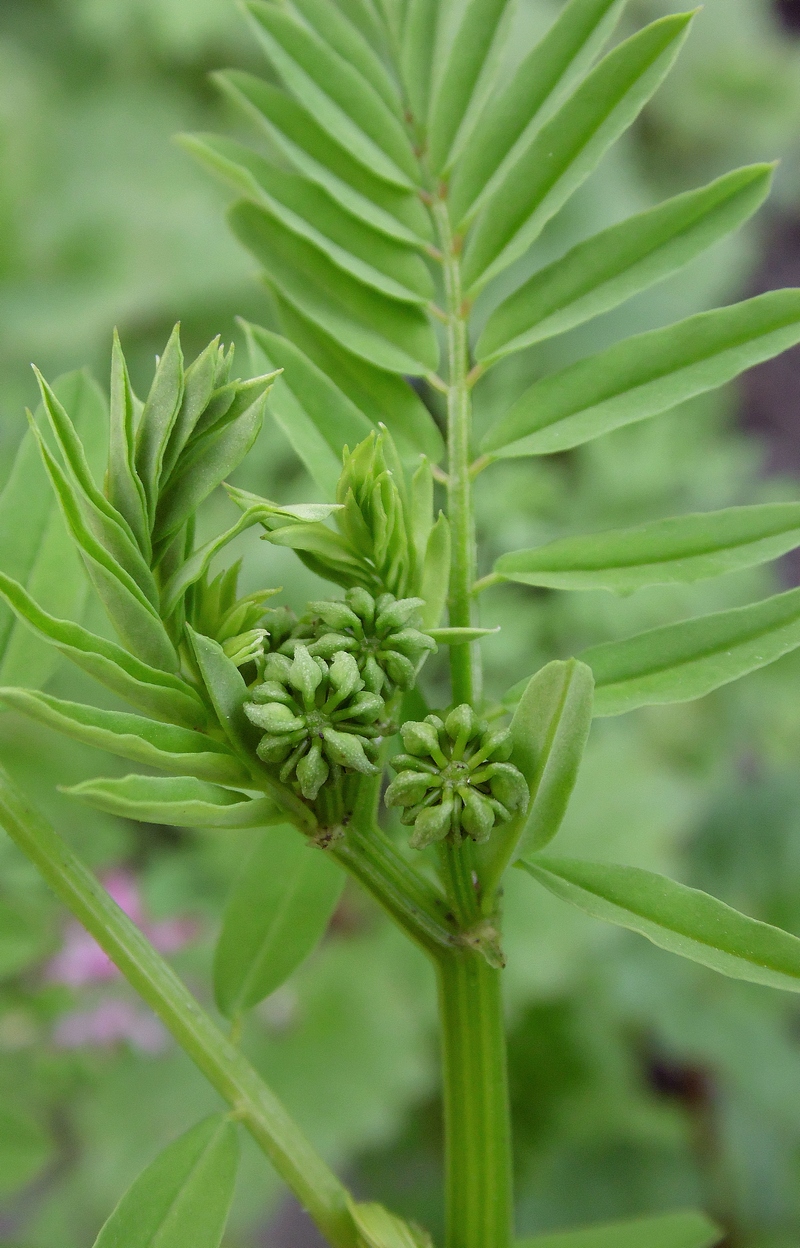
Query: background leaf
(183, 1197)
(669, 1230)
(276, 915)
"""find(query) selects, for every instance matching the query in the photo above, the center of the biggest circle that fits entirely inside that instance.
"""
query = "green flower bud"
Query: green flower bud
(407, 789)
(347, 750)
(433, 823)
(477, 817)
(305, 674)
(312, 772)
(420, 738)
(447, 783)
(274, 717)
(336, 615)
(396, 613)
(344, 674)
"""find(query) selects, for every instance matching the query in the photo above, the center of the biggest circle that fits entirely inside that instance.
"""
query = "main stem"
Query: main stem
(478, 1183)
(464, 660)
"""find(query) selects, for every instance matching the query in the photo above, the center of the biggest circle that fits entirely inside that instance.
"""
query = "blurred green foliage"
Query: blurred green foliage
(640, 1083)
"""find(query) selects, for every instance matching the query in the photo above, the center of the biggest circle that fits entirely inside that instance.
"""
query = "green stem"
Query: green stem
(371, 858)
(478, 1183)
(315, 1185)
(465, 670)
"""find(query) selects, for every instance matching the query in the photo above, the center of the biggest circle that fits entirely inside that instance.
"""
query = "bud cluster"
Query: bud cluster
(454, 780)
(318, 719)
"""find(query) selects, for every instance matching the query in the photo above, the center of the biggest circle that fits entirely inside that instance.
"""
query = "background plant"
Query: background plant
(538, 614)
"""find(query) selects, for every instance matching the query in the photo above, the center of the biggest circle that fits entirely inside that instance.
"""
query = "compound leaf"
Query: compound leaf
(388, 333)
(569, 147)
(342, 102)
(517, 109)
(309, 211)
(310, 149)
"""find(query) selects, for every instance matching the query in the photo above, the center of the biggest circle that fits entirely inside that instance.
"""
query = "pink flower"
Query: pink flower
(109, 1023)
(81, 961)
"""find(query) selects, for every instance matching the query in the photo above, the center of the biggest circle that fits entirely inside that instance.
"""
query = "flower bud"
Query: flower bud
(345, 749)
(312, 772)
(305, 674)
(420, 738)
(432, 824)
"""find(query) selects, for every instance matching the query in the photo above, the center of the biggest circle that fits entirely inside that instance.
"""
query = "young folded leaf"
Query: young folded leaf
(166, 746)
(677, 918)
(183, 1198)
(460, 636)
(569, 147)
(388, 333)
(310, 149)
(679, 662)
(276, 915)
(646, 375)
(680, 549)
(433, 585)
(182, 802)
(666, 1230)
(609, 268)
(343, 103)
(379, 1228)
(158, 417)
(521, 106)
(35, 548)
(125, 490)
(158, 693)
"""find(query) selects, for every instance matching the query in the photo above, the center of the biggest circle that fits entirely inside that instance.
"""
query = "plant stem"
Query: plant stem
(315, 1185)
(478, 1188)
(465, 673)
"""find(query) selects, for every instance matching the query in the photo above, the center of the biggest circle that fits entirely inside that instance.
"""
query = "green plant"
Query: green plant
(410, 164)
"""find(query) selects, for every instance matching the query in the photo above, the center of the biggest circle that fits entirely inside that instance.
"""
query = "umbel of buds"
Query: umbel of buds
(455, 779)
(381, 633)
(317, 718)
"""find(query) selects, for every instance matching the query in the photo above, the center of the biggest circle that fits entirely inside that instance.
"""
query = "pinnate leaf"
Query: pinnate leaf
(179, 801)
(309, 211)
(679, 662)
(617, 263)
(683, 920)
(388, 333)
(384, 398)
(167, 746)
(458, 77)
(646, 375)
(183, 1197)
(396, 212)
(569, 147)
(342, 102)
(276, 915)
(666, 1230)
(527, 100)
(682, 548)
(342, 34)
